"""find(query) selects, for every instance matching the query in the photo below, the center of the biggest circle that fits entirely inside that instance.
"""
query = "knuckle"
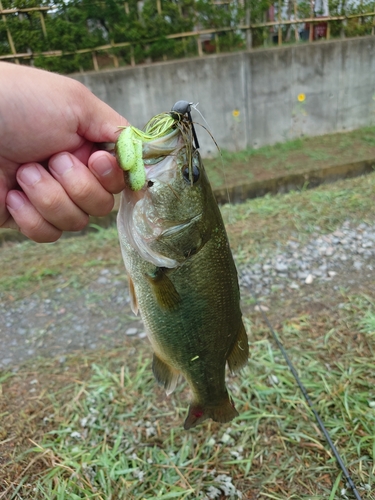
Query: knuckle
(80, 223)
(103, 208)
(41, 232)
(51, 201)
(82, 194)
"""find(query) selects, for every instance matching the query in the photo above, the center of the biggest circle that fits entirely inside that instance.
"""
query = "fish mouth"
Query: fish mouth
(138, 218)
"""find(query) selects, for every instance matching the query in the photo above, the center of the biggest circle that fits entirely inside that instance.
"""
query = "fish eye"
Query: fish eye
(194, 169)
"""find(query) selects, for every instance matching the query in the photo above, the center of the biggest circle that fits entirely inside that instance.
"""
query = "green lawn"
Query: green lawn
(98, 427)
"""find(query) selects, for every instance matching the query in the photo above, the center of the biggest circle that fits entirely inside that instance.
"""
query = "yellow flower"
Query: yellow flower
(236, 113)
(301, 97)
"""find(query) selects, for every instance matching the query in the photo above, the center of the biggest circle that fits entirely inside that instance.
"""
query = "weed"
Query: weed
(117, 435)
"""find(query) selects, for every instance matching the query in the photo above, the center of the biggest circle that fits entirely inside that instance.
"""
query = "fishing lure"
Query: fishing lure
(129, 146)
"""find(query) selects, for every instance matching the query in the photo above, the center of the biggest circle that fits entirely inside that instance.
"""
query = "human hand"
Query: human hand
(52, 175)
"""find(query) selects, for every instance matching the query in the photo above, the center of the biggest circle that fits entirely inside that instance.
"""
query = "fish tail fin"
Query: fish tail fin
(222, 412)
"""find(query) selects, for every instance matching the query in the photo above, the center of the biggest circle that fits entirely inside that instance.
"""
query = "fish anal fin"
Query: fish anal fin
(239, 354)
(223, 413)
(133, 296)
(164, 374)
(164, 290)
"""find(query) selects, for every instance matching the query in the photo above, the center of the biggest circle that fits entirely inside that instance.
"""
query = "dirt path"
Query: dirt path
(69, 320)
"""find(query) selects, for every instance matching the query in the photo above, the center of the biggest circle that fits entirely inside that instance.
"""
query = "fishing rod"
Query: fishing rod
(309, 402)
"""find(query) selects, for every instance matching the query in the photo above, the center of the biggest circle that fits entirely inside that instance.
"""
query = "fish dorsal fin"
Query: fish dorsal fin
(164, 374)
(164, 290)
(133, 296)
(240, 352)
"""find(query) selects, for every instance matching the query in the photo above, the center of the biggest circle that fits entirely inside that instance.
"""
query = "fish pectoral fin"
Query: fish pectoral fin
(164, 290)
(165, 374)
(239, 354)
(133, 296)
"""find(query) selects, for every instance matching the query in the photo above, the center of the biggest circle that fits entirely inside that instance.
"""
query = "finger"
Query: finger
(28, 220)
(81, 185)
(98, 122)
(7, 182)
(50, 199)
(104, 166)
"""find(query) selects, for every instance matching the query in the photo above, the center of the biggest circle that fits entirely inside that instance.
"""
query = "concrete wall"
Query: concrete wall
(337, 78)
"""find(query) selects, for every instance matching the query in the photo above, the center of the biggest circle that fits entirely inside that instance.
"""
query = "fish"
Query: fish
(182, 277)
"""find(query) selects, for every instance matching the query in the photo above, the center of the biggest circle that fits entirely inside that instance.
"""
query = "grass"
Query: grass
(70, 262)
(297, 155)
(96, 426)
(107, 432)
(252, 225)
(251, 228)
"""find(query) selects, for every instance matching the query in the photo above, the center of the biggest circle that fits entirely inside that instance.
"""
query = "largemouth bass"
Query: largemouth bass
(182, 277)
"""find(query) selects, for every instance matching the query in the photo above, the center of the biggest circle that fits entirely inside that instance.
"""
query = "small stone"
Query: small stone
(338, 233)
(131, 331)
(281, 267)
(331, 274)
(274, 379)
(302, 275)
(225, 438)
(309, 279)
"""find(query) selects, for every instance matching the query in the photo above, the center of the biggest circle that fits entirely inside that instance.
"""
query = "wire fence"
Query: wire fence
(199, 41)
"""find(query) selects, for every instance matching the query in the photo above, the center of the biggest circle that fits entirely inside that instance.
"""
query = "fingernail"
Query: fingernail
(102, 167)
(15, 200)
(61, 164)
(30, 175)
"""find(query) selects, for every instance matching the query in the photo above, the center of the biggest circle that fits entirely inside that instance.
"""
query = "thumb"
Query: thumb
(97, 121)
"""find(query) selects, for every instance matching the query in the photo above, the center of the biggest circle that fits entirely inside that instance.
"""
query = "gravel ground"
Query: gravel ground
(325, 258)
(98, 316)
(69, 320)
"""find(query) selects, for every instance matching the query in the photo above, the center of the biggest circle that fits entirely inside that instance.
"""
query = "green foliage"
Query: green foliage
(357, 26)
(75, 25)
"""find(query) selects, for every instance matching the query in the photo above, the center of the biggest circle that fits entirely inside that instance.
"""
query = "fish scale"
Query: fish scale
(183, 279)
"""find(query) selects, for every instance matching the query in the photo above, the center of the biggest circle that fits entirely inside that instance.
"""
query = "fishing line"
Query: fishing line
(208, 130)
(309, 402)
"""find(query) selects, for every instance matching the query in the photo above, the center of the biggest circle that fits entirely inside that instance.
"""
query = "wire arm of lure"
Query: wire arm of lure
(184, 108)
